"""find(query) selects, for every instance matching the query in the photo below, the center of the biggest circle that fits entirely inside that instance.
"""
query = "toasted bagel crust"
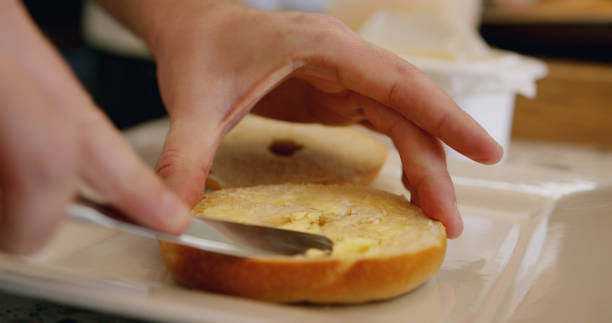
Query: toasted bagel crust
(322, 281)
(385, 270)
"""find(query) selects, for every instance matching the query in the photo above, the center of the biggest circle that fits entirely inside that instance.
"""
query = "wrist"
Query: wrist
(193, 25)
(163, 24)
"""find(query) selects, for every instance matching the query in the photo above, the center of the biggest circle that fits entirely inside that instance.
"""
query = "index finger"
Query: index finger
(387, 78)
(109, 165)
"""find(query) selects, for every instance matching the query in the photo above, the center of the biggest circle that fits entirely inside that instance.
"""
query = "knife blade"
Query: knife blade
(226, 237)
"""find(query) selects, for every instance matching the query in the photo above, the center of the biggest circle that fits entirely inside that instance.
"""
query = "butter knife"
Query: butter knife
(225, 237)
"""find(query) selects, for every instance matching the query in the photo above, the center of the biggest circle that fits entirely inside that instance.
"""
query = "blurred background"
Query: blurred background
(572, 37)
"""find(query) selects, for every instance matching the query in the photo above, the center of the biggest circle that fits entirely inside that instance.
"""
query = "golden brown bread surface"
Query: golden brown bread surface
(262, 151)
(383, 245)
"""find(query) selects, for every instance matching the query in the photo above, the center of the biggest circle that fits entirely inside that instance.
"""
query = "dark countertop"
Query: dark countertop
(15, 308)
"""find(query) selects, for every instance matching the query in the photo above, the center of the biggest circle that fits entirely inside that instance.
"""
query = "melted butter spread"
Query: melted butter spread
(361, 221)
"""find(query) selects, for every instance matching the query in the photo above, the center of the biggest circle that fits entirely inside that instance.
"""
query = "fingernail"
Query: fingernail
(459, 223)
(501, 149)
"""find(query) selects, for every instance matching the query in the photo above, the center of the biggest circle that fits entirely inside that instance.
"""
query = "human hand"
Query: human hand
(216, 62)
(53, 137)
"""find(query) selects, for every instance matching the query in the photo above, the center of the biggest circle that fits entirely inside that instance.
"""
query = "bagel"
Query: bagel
(384, 246)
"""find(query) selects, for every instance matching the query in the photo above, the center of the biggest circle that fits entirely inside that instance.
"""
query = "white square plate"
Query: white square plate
(507, 258)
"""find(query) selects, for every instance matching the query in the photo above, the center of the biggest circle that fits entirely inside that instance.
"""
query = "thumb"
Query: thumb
(187, 157)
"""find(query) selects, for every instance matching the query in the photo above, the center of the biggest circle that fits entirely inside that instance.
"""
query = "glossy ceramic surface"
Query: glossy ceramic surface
(535, 248)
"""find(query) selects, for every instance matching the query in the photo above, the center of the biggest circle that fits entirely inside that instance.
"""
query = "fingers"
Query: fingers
(35, 193)
(52, 134)
(187, 156)
(299, 101)
(37, 154)
(337, 109)
(392, 81)
(31, 210)
(111, 168)
(424, 166)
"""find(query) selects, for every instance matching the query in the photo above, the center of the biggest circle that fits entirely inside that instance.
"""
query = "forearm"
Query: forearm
(157, 20)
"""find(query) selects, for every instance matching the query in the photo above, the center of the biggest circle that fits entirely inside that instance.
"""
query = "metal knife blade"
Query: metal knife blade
(230, 238)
